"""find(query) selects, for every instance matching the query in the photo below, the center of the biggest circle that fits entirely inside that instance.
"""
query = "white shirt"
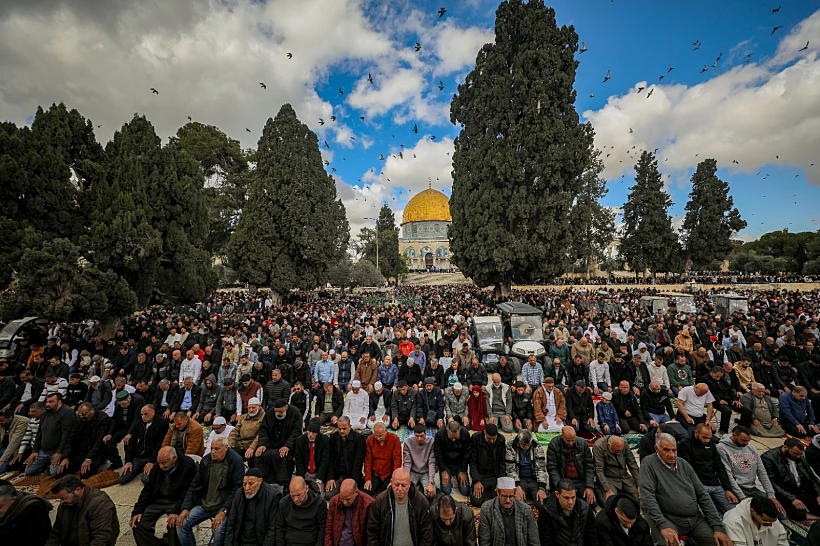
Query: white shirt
(693, 404)
(599, 373)
(213, 436)
(190, 368)
(356, 407)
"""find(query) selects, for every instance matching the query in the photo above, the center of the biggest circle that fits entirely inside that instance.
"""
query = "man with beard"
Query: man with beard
(277, 441)
(85, 516)
(163, 494)
(127, 411)
(24, 515)
(629, 410)
(142, 443)
(53, 439)
(505, 520)
(347, 449)
(87, 452)
(244, 437)
(795, 483)
(620, 523)
(566, 519)
(211, 493)
(301, 518)
(312, 454)
(452, 522)
(28, 392)
(487, 463)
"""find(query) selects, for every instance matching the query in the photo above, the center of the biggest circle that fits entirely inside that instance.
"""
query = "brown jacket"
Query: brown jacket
(194, 443)
(98, 524)
(367, 374)
(463, 359)
(246, 432)
(539, 405)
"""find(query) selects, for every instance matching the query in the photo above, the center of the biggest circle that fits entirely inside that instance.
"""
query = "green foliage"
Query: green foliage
(386, 254)
(365, 273)
(752, 262)
(800, 248)
(293, 226)
(52, 283)
(593, 225)
(648, 241)
(522, 150)
(710, 218)
(226, 170)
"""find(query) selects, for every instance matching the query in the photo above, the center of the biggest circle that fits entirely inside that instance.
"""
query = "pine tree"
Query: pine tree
(293, 227)
(226, 170)
(648, 241)
(386, 254)
(521, 152)
(593, 224)
(710, 218)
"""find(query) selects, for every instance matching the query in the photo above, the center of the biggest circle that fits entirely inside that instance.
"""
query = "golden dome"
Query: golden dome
(426, 206)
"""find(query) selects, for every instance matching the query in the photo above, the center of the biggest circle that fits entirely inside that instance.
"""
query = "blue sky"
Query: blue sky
(207, 58)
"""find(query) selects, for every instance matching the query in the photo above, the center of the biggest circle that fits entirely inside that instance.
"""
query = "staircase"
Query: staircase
(433, 279)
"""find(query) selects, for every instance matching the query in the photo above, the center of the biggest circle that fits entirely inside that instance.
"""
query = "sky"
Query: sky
(758, 115)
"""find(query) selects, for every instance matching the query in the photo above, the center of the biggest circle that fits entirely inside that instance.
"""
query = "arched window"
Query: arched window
(425, 251)
(441, 252)
(410, 252)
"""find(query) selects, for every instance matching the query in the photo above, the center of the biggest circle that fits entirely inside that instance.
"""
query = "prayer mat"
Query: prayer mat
(796, 531)
(41, 484)
(805, 441)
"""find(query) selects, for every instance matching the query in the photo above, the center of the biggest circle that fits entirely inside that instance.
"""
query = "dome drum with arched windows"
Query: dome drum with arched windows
(423, 236)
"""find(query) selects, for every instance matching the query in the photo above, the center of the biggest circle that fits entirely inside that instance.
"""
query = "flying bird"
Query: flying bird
(98, 126)
(381, 157)
(417, 47)
(775, 10)
(321, 121)
(704, 69)
(262, 85)
(154, 91)
(370, 78)
(749, 57)
(248, 130)
(650, 92)
(341, 92)
(592, 95)
(332, 118)
(640, 89)
(697, 45)
(189, 118)
(290, 55)
(361, 118)
(671, 68)
(415, 128)
(661, 79)
(735, 162)
(440, 85)
(714, 65)
(630, 130)
(327, 163)
(608, 76)
(583, 48)
(441, 13)
(775, 29)
(327, 145)
(804, 48)
(433, 137)
(352, 138)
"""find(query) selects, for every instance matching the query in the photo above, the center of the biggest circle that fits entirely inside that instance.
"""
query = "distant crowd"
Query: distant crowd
(328, 420)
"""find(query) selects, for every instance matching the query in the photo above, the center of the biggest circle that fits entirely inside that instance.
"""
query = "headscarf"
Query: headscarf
(477, 408)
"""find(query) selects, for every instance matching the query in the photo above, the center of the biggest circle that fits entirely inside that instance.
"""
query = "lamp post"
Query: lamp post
(377, 240)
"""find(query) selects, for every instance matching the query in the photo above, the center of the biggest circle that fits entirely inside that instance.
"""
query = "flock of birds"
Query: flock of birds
(417, 47)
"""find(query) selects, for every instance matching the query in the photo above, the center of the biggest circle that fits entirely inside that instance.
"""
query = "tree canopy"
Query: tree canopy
(293, 226)
(648, 241)
(593, 225)
(521, 152)
(710, 218)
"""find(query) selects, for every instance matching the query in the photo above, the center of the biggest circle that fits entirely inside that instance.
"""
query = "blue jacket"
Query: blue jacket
(388, 376)
(324, 372)
(607, 415)
(794, 412)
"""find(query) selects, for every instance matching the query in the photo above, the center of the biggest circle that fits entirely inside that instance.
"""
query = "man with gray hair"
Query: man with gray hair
(506, 520)
(526, 465)
(674, 500)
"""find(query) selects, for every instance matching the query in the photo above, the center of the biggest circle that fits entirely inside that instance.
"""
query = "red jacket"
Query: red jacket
(336, 519)
(381, 460)
(406, 347)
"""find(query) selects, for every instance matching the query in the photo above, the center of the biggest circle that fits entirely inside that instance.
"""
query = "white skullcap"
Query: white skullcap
(378, 385)
(457, 385)
(505, 483)
(254, 401)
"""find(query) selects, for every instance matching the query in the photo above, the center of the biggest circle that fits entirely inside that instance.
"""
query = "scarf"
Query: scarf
(477, 409)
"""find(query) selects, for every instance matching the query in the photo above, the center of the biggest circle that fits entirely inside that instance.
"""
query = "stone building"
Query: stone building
(423, 235)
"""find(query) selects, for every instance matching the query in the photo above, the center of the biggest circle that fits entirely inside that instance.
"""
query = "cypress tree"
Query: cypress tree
(710, 218)
(389, 260)
(648, 241)
(519, 157)
(293, 227)
(593, 224)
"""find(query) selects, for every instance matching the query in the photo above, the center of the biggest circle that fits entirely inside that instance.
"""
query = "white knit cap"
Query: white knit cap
(505, 483)
(253, 401)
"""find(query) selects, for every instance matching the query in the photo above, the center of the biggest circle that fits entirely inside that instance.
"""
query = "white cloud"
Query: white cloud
(457, 47)
(426, 160)
(752, 113)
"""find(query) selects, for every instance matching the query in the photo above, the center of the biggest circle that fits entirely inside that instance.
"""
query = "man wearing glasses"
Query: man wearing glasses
(506, 520)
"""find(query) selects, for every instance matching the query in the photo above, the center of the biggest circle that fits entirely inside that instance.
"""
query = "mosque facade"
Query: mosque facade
(423, 234)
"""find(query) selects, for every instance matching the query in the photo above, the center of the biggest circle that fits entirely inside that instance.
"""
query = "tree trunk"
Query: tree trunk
(501, 289)
(252, 288)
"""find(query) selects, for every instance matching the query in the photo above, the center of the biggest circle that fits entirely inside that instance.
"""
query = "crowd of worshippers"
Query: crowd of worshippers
(199, 404)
